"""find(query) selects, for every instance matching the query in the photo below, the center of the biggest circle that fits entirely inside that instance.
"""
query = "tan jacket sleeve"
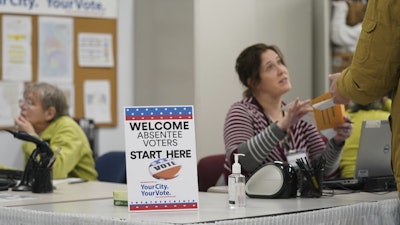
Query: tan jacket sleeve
(375, 67)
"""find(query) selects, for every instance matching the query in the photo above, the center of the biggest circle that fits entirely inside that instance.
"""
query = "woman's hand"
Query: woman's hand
(23, 125)
(343, 131)
(297, 109)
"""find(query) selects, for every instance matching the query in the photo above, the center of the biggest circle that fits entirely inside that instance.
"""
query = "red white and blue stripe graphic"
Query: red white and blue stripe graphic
(163, 205)
(159, 113)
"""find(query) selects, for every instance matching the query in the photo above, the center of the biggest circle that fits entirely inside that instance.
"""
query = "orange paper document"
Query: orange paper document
(327, 114)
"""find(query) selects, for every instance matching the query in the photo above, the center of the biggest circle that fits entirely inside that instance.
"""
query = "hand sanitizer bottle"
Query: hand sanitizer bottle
(236, 185)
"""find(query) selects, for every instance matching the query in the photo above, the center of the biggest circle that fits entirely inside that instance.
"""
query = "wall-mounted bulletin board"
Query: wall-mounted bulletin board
(71, 44)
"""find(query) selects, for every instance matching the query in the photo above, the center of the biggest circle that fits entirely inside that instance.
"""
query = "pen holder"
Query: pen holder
(42, 180)
(311, 183)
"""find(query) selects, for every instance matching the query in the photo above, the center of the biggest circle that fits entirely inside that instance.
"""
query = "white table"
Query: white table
(92, 203)
(64, 192)
(213, 208)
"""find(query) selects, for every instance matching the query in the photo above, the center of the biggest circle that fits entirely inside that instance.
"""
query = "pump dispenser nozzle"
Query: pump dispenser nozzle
(236, 167)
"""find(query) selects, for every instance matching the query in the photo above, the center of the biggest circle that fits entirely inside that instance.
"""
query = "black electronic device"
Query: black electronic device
(273, 180)
(5, 184)
(9, 178)
(11, 174)
(41, 158)
(22, 135)
(378, 184)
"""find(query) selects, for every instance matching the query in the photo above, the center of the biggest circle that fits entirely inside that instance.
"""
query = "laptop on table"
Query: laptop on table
(373, 170)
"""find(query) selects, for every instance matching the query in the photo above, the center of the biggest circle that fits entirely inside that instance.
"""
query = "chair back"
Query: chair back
(209, 171)
(111, 167)
(89, 127)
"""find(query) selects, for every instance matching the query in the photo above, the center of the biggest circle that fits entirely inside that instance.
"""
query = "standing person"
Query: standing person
(375, 68)
(345, 29)
(377, 110)
(258, 126)
(44, 113)
(343, 35)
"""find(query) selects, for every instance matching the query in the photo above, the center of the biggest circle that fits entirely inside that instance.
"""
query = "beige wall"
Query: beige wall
(164, 52)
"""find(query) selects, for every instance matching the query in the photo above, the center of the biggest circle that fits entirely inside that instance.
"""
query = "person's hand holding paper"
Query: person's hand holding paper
(331, 118)
(334, 92)
(324, 104)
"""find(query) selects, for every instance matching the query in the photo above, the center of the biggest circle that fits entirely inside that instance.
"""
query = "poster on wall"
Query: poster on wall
(17, 48)
(55, 49)
(161, 158)
(10, 94)
(95, 50)
(97, 100)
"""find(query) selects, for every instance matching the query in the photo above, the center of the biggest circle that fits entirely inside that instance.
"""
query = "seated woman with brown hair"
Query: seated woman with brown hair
(259, 127)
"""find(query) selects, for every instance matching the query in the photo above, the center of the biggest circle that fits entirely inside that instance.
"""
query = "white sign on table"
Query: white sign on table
(161, 158)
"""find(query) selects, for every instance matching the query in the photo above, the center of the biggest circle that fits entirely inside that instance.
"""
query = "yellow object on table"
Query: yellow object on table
(120, 197)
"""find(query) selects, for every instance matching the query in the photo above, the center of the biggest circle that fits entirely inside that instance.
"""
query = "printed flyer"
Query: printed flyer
(161, 158)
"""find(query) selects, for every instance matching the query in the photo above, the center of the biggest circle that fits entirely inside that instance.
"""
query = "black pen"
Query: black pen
(77, 181)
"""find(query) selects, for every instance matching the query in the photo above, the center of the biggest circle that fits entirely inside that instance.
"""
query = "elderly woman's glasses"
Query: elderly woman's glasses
(25, 102)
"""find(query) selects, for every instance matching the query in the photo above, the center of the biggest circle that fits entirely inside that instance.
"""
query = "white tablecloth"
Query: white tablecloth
(384, 212)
